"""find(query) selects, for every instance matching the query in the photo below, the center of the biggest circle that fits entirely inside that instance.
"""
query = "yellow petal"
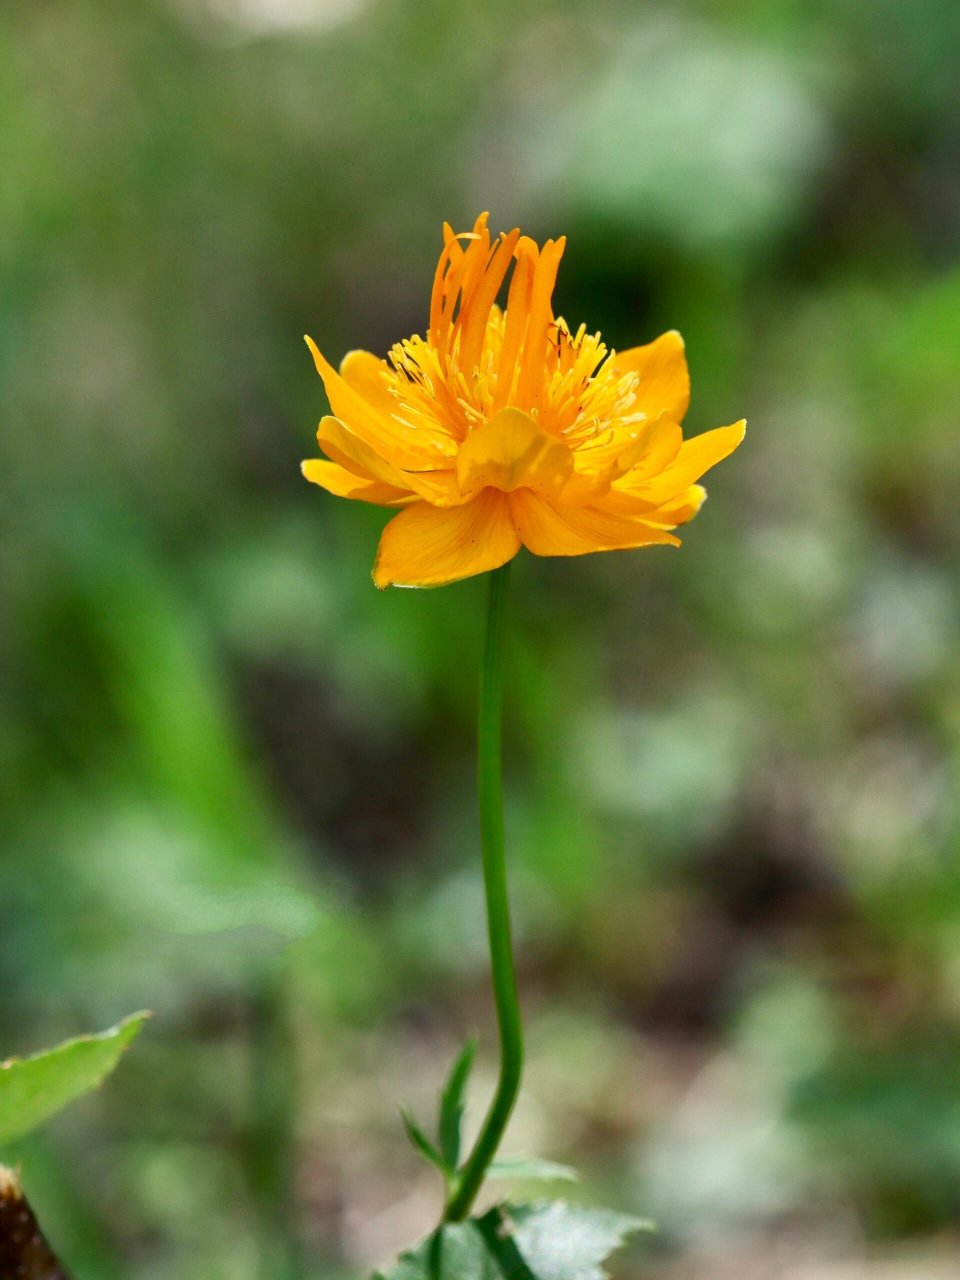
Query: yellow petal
(511, 451)
(655, 449)
(583, 487)
(702, 452)
(405, 446)
(539, 318)
(370, 376)
(475, 308)
(645, 450)
(427, 546)
(679, 510)
(354, 454)
(346, 484)
(696, 457)
(666, 514)
(664, 378)
(550, 530)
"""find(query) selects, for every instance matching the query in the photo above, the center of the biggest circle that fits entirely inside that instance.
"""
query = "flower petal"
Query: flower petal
(509, 451)
(549, 530)
(679, 510)
(409, 447)
(531, 381)
(370, 376)
(702, 452)
(696, 457)
(339, 443)
(427, 546)
(666, 514)
(664, 379)
(654, 450)
(645, 451)
(353, 453)
(347, 484)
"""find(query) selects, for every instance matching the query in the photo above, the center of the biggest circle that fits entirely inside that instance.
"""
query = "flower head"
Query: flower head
(503, 428)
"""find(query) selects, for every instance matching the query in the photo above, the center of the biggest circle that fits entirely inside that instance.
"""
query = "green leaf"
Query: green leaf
(544, 1241)
(455, 1252)
(531, 1169)
(452, 1105)
(35, 1088)
(422, 1143)
(559, 1241)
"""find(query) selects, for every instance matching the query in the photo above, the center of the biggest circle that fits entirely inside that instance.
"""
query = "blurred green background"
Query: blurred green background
(236, 782)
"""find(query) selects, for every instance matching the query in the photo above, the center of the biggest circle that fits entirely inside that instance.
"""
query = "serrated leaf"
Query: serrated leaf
(531, 1169)
(422, 1143)
(549, 1240)
(34, 1089)
(559, 1241)
(455, 1252)
(452, 1105)
(498, 1234)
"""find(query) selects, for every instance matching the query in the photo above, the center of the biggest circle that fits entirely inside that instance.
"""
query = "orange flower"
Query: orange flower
(503, 429)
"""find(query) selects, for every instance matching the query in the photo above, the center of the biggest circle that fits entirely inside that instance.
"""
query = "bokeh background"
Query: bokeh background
(236, 781)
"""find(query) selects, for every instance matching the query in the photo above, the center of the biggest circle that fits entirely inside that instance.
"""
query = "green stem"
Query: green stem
(271, 1141)
(505, 992)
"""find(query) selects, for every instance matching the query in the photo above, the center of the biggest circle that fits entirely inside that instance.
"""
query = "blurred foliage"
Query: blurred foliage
(236, 783)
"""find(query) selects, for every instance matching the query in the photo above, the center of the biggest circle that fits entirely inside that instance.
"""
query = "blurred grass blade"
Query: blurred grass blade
(452, 1105)
(34, 1089)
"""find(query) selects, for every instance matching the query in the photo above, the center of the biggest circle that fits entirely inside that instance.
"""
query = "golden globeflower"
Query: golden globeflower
(503, 428)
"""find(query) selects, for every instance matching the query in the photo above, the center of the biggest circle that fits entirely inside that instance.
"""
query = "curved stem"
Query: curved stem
(498, 909)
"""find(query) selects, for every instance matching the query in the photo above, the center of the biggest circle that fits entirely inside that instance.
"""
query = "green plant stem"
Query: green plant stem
(271, 1141)
(506, 997)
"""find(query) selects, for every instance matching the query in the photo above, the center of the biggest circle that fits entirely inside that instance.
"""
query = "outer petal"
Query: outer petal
(511, 451)
(702, 452)
(655, 449)
(550, 530)
(405, 446)
(696, 456)
(664, 379)
(665, 515)
(368, 375)
(679, 510)
(653, 446)
(427, 546)
(346, 484)
(354, 454)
